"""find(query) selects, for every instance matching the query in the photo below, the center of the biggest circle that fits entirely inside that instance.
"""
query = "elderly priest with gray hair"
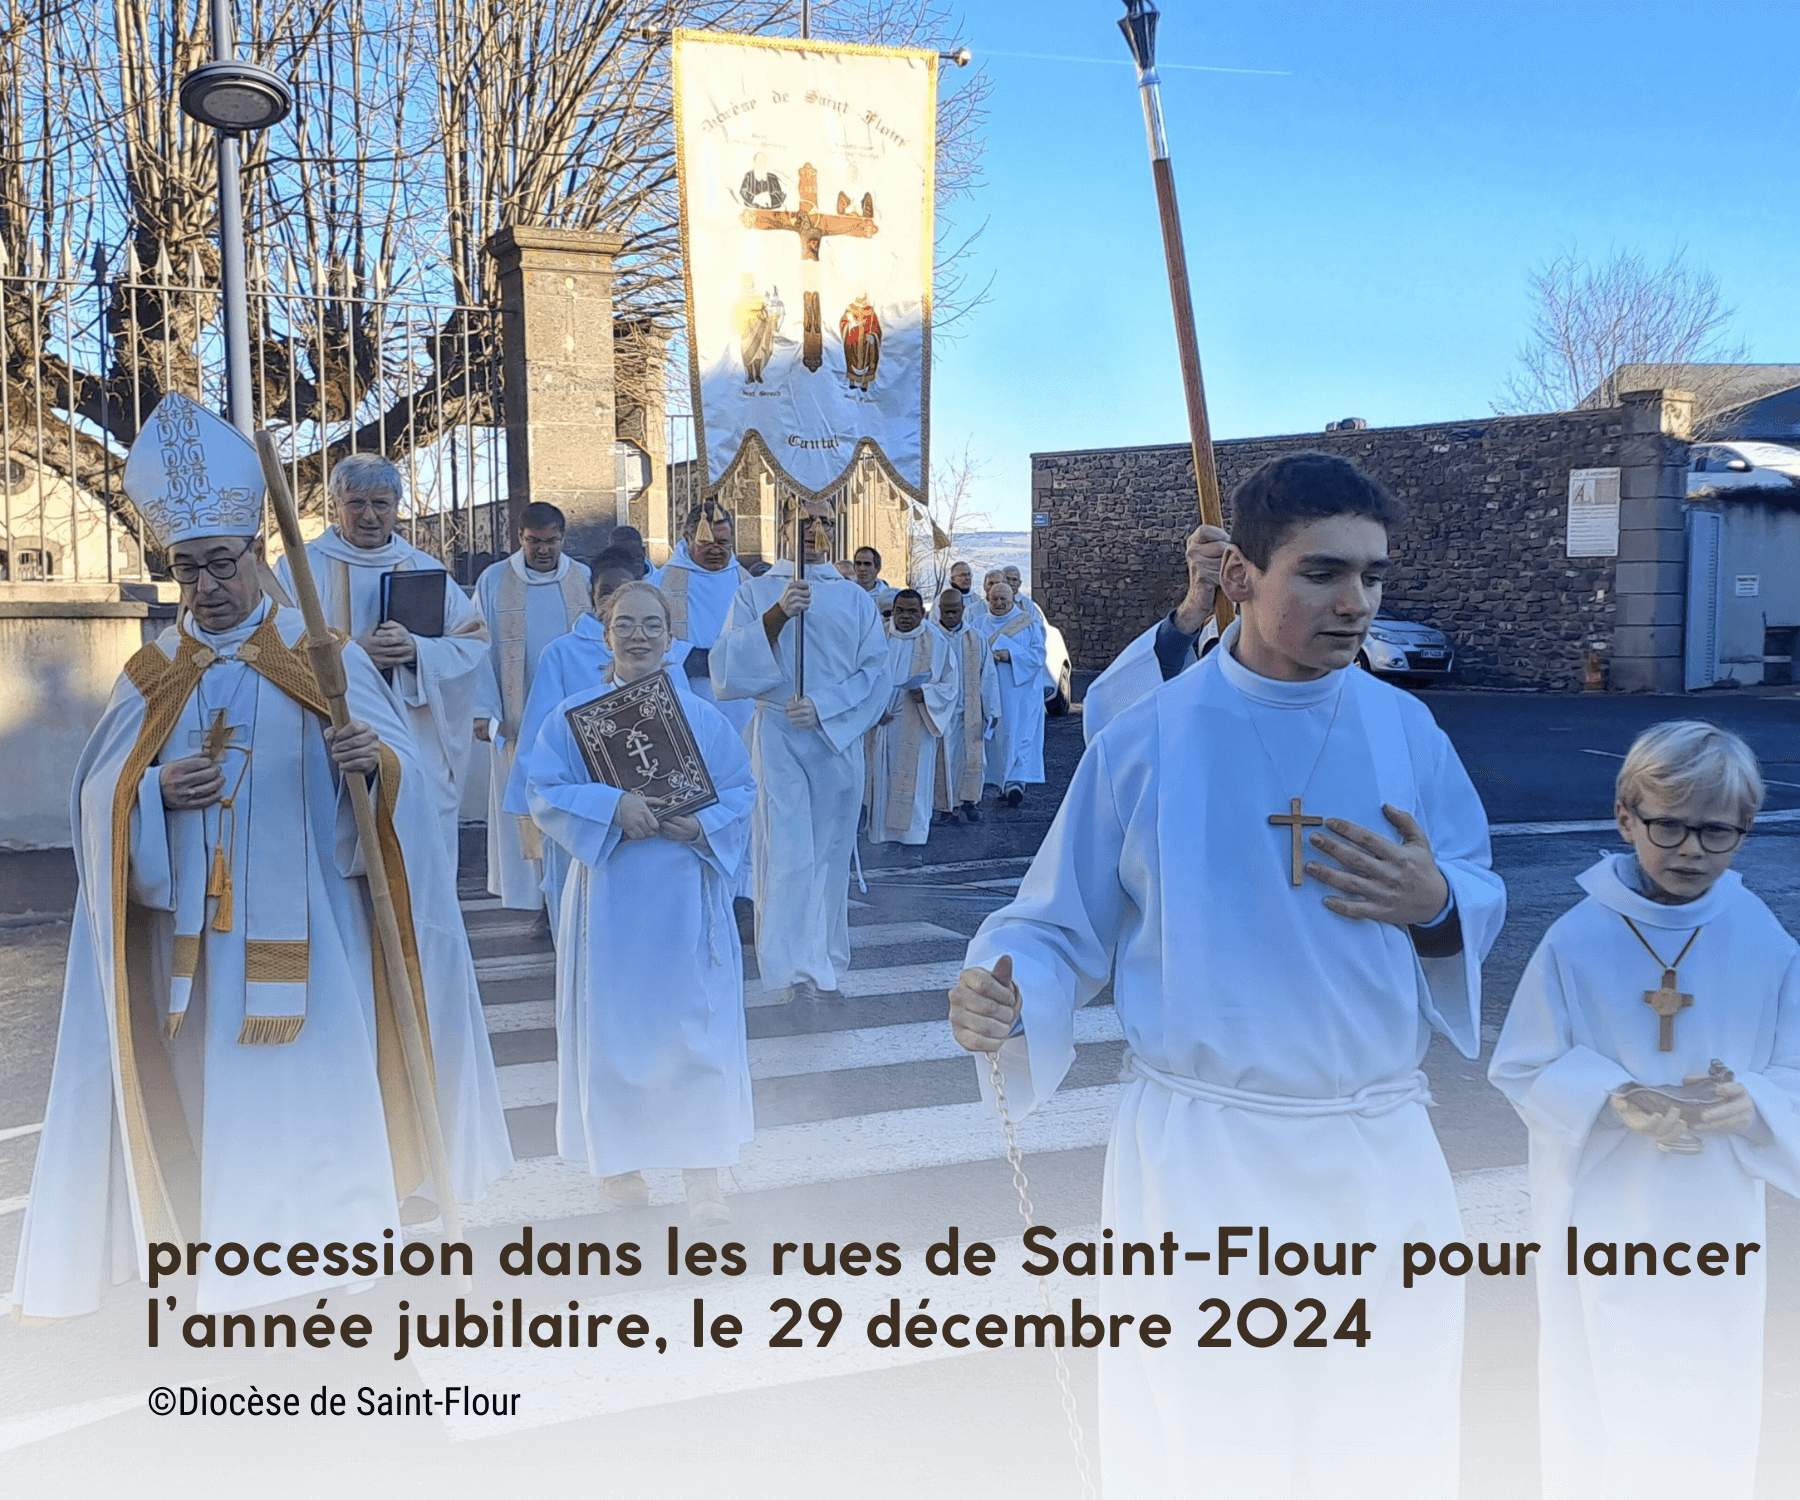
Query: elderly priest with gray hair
(228, 1065)
(432, 668)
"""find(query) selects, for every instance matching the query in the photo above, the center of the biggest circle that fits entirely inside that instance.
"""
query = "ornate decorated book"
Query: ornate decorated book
(638, 739)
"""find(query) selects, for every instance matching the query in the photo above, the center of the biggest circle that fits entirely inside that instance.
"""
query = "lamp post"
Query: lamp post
(233, 96)
(1139, 25)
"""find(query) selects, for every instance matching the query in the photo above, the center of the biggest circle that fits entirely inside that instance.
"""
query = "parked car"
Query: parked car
(1713, 467)
(1403, 648)
(1058, 678)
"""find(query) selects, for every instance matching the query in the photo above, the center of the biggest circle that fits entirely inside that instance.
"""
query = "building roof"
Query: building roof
(1716, 387)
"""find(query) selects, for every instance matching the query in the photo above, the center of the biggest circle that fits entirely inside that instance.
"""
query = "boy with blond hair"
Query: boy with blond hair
(1650, 1376)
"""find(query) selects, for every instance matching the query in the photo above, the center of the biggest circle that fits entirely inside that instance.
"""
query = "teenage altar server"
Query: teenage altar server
(1277, 994)
(432, 678)
(227, 1067)
(1015, 638)
(527, 600)
(807, 752)
(1668, 966)
(653, 1066)
(904, 745)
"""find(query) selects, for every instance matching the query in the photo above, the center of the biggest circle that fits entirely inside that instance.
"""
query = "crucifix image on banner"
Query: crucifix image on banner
(806, 173)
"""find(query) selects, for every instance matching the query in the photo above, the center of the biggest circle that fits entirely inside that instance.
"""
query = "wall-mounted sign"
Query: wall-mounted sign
(1749, 585)
(1040, 519)
(1593, 513)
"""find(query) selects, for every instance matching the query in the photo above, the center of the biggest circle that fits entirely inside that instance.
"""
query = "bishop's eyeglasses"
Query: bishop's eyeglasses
(1672, 833)
(219, 567)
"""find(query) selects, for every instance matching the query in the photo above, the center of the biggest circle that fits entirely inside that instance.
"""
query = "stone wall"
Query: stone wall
(1482, 556)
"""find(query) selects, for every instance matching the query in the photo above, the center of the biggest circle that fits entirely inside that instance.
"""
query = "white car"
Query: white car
(1058, 678)
(1713, 467)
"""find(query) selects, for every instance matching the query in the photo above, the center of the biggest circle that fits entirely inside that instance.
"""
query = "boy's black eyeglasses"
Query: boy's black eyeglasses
(219, 567)
(1672, 833)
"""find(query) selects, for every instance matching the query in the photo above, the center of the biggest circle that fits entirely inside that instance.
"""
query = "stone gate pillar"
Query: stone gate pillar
(1651, 574)
(556, 324)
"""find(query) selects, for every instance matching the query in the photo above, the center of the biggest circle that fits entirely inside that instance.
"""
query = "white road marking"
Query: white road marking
(13, 1132)
(901, 871)
(863, 984)
(540, 965)
(13, 1205)
(872, 1145)
(523, 1085)
(1607, 825)
(523, 1015)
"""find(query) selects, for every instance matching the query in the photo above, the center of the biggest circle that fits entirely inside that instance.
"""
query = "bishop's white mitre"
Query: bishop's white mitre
(192, 475)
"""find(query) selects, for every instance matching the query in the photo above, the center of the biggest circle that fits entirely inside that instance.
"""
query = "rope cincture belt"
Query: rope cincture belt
(1371, 1101)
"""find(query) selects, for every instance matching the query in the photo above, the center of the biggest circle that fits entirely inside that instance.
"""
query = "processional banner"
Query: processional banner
(806, 173)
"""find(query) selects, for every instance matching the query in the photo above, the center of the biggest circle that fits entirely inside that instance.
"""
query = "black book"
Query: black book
(638, 739)
(415, 598)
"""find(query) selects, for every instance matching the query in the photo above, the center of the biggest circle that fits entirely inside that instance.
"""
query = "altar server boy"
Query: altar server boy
(1649, 1375)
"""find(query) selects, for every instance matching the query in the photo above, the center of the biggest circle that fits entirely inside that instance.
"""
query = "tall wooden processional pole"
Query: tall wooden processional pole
(1139, 26)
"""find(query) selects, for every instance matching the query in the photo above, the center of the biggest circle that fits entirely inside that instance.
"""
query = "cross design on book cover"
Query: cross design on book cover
(638, 739)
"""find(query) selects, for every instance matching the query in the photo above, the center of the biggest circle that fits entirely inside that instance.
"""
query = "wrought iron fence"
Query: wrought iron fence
(339, 365)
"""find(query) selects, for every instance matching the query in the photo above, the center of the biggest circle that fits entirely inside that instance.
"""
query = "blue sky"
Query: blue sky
(1361, 226)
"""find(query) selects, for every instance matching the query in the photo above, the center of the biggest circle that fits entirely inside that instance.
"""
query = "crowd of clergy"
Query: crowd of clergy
(228, 1068)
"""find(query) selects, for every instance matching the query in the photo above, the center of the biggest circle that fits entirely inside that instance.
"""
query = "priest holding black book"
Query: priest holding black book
(652, 799)
(407, 612)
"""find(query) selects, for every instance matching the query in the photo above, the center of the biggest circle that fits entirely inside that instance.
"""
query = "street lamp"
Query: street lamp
(233, 96)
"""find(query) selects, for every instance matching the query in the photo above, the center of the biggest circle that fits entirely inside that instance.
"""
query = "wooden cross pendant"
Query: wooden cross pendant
(218, 737)
(1296, 823)
(1668, 1002)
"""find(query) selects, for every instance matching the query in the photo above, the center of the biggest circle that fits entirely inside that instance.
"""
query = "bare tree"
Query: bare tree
(948, 511)
(1589, 319)
(420, 131)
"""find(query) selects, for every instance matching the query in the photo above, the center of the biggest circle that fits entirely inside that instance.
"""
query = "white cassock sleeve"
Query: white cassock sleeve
(1062, 930)
(487, 680)
(944, 691)
(1457, 825)
(1557, 1085)
(1770, 1148)
(1133, 674)
(1026, 650)
(460, 651)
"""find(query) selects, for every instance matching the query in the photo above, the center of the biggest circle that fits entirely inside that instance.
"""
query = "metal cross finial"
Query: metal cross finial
(1139, 25)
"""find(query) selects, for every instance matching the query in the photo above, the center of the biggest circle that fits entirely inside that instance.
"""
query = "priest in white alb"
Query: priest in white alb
(700, 579)
(527, 601)
(433, 679)
(1283, 871)
(228, 1066)
(973, 715)
(905, 743)
(1015, 638)
(806, 750)
(653, 1068)
(1168, 648)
